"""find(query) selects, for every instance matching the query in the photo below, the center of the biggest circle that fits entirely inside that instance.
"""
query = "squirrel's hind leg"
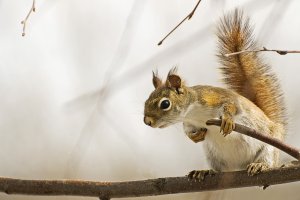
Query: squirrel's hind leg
(266, 158)
(199, 175)
(256, 168)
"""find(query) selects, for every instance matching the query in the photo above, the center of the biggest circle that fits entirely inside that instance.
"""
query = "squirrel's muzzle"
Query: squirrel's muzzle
(148, 121)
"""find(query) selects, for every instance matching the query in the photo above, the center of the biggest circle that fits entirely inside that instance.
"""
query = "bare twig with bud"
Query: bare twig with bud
(281, 52)
(189, 16)
(32, 9)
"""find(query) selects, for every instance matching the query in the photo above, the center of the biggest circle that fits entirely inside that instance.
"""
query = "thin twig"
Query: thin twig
(292, 151)
(189, 16)
(32, 9)
(281, 52)
(152, 187)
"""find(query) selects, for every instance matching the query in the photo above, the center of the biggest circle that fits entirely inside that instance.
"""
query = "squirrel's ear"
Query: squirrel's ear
(174, 81)
(156, 80)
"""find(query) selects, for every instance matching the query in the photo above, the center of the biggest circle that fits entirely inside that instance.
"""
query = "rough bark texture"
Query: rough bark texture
(151, 187)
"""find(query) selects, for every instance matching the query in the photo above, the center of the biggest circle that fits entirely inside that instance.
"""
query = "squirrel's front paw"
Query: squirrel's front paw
(256, 168)
(199, 175)
(227, 125)
(197, 135)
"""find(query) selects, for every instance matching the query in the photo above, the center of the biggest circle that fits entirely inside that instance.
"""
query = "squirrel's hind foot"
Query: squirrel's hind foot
(256, 168)
(199, 175)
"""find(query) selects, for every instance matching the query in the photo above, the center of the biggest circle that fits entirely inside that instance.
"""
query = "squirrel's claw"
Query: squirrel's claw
(227, 125)
(199, 175)
(256, 168)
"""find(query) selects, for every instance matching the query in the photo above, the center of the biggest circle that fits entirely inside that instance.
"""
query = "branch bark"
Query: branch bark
(151, 187)
(292, 151)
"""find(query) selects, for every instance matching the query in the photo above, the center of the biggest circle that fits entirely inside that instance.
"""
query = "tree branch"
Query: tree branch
(281, 52)
(32, 9)
(262, 137)
(189, 16)
(151, 187)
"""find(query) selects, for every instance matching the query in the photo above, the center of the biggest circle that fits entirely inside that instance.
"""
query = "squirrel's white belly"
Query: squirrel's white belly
(233, 152)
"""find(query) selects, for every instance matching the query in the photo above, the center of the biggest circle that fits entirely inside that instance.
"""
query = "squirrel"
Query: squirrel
(253, 99)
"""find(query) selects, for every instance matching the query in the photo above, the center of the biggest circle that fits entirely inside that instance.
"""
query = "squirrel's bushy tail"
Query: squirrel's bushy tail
(247, 73)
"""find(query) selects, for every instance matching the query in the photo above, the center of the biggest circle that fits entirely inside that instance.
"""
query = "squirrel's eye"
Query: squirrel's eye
(164, 104)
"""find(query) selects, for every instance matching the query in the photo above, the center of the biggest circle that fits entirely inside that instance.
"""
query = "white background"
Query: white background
(72, 90)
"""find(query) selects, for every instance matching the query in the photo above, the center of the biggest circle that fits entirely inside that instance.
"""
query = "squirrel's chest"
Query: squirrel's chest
(197, 115)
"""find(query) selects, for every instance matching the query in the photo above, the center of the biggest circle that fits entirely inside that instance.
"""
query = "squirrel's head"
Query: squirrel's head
(167, 102)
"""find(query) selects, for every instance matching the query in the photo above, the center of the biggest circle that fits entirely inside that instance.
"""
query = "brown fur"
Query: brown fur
(247, 73)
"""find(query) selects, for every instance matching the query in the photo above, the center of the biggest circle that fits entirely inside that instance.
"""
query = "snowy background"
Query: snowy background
(73, 89)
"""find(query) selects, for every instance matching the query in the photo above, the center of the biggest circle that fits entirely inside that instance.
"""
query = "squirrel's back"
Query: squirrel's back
(247, 73)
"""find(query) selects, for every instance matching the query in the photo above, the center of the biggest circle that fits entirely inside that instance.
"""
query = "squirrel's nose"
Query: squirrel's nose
(148, 120)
